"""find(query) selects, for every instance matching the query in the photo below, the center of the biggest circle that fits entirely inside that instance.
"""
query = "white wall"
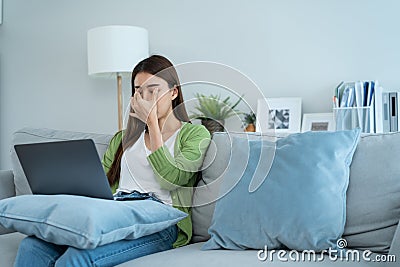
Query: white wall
(288, 47)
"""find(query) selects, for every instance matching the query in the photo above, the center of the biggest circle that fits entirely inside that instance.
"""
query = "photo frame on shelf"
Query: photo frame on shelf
(318, 122)
(280, 115)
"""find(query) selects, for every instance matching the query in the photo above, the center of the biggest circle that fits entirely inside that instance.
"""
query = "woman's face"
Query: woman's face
(146, 83)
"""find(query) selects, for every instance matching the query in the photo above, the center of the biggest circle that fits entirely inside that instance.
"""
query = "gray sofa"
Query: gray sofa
(373, 204)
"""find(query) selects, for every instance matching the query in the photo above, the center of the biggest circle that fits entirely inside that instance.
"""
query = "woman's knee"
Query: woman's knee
(29, 242)
(74, 257)
(36, 252)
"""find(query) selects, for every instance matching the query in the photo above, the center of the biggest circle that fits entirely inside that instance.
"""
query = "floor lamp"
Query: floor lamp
(113, 51)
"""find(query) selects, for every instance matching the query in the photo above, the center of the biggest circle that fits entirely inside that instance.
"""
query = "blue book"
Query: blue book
(365, 94)
(372, 92)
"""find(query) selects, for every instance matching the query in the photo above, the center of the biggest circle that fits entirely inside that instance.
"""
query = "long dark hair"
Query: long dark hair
(161, 67)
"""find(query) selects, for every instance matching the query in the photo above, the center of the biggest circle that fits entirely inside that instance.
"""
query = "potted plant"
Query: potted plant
(212, 111)
(250, 120)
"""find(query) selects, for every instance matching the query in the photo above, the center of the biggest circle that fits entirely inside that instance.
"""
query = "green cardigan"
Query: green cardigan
(176, 173)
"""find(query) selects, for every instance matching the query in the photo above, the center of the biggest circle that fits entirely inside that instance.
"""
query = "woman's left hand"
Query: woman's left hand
(144, 110)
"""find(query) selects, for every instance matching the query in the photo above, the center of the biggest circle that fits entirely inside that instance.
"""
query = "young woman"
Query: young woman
(157, 156)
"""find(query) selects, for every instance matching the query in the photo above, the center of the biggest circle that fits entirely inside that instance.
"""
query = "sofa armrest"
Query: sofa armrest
(7, 190)
(395, 246)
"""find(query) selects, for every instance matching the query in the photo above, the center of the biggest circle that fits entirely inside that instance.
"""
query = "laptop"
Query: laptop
(64, 167)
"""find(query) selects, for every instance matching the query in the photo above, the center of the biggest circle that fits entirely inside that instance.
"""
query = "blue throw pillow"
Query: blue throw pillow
(300, 204)
(84, 222)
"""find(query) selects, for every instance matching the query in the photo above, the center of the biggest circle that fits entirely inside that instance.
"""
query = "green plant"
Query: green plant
(212, 107)
(249, 118)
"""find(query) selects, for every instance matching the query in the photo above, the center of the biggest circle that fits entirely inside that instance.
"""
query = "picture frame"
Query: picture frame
(318, 122)
(279, 115)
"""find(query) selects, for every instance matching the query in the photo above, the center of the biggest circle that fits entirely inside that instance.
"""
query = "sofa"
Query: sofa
(373, 203)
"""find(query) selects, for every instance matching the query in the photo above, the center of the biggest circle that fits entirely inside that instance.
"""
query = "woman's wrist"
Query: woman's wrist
(152, 122)
(155, 135)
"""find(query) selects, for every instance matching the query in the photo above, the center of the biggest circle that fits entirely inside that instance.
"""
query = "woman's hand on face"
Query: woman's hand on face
(144, 110)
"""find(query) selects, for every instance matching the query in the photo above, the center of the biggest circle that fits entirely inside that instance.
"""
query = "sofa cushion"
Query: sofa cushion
(300, 202)
(215, 164)
(6, 184)
(85, 222)
(8, 248)
(34, 135)
(373, 197)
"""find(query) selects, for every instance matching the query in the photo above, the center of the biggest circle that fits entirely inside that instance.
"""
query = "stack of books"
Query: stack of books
(367, 105)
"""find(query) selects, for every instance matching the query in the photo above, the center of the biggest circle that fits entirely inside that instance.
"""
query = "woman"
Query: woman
(158, 156)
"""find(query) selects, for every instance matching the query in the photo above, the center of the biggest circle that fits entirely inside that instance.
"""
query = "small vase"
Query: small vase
(250, 128)
(213, 125)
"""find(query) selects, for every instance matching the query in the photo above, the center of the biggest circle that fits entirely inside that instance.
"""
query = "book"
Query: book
(365, 87)
(393, 111)
(338, 88)
(385, 112)
(398, 110)
(339, 91)
(369, 114)
(344, 97)
(378, 108)
(371, 92)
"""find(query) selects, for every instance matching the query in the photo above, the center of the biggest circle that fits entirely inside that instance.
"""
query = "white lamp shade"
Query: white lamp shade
(116, 49)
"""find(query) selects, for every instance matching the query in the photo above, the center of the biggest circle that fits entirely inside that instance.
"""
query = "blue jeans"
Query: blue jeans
(34, 252)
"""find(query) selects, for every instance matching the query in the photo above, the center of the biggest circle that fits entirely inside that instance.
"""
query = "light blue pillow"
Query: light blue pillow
(84, 222)
(300, 204)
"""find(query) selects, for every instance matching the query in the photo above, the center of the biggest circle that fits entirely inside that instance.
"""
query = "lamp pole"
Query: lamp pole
(119, 82)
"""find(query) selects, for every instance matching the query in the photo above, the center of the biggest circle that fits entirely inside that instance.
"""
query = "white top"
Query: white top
(137, 173)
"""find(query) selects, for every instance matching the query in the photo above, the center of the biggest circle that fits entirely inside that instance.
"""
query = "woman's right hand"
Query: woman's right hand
(144, 110)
